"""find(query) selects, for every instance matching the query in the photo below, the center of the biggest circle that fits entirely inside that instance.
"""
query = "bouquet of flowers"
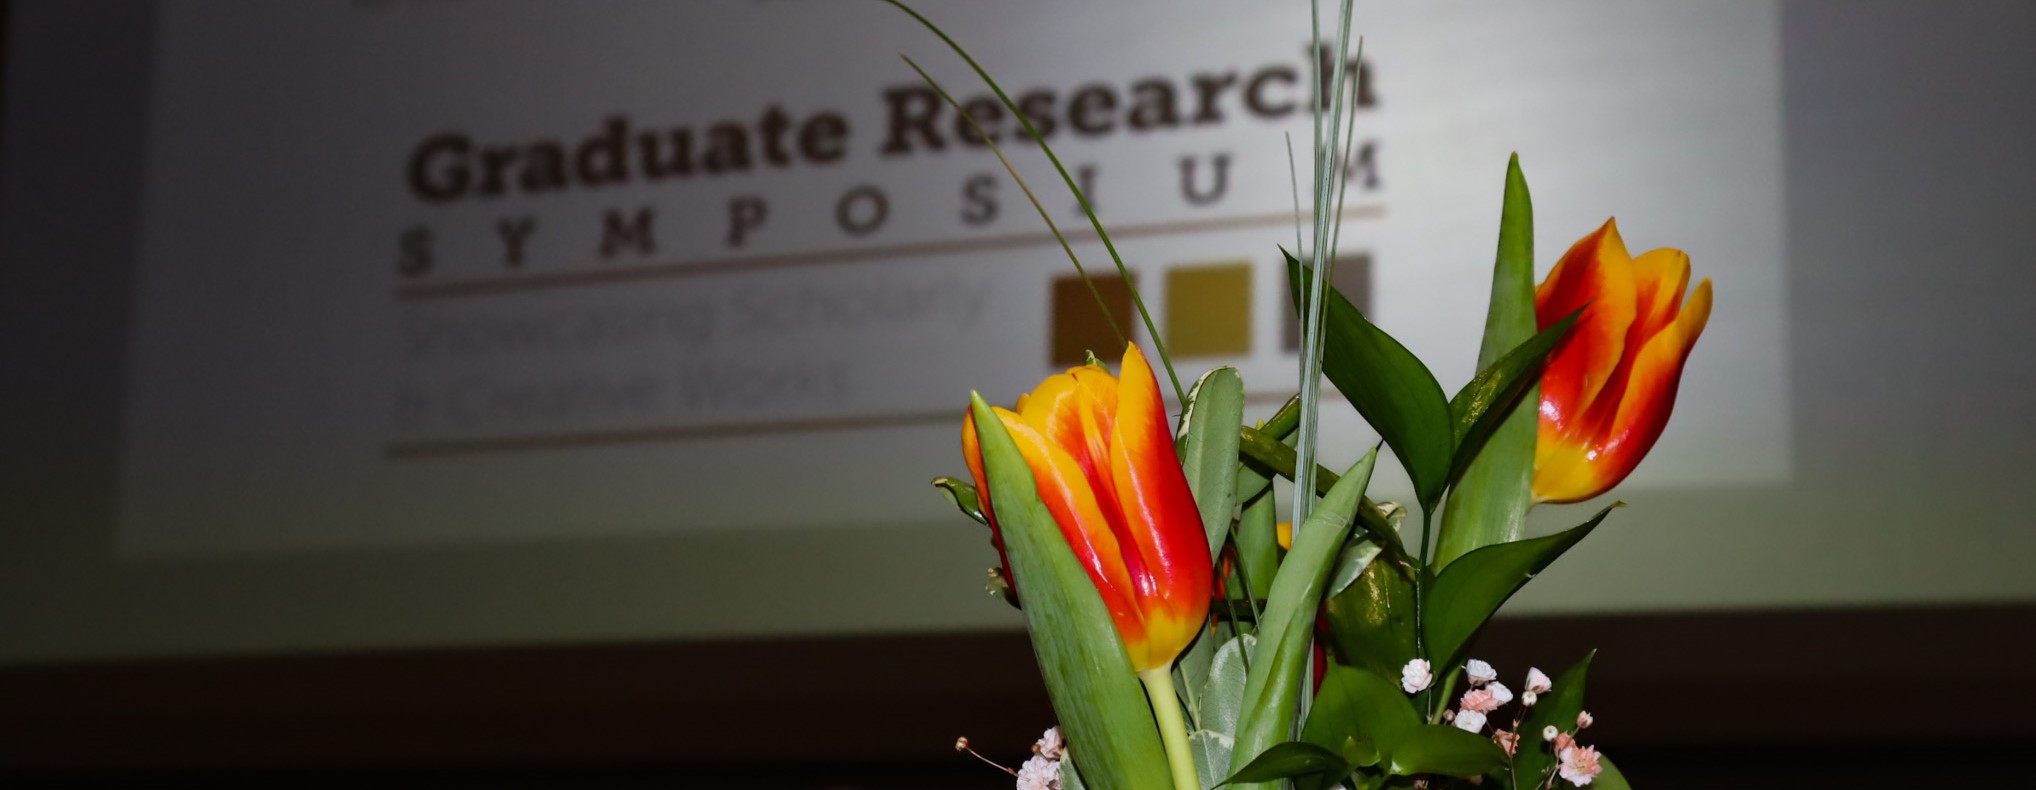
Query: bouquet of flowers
(1194, 631)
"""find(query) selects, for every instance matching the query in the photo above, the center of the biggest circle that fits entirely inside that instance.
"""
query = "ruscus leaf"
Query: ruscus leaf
(1470, 590)
(1390, 387)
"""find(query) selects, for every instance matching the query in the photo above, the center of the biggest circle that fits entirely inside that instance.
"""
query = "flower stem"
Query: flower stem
(1173, 732)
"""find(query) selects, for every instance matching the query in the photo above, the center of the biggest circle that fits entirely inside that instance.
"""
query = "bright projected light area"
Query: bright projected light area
(382, 323)
(547, 289)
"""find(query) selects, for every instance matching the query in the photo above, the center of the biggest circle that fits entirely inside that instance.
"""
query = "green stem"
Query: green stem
(1166, 707)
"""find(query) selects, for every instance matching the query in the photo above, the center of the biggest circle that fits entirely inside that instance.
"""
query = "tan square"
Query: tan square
(1079, 326)
(1208, 310)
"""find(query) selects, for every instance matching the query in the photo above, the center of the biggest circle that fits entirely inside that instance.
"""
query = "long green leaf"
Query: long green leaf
(1258, 543)
(1470, 590)
(1359, 715)
(1208, 449)
(1273, 686)
(1491, 397)
(1222, 700)
(1095, 692)
(1390, 387)
(1558, 707)
(1488, 503)
(1287, 760)
(1443, 749)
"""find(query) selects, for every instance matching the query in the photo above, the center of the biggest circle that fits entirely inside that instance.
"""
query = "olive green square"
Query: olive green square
(1208, 310)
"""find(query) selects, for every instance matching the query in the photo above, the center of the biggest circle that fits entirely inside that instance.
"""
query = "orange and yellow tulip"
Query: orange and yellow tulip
(1102, 457)
(1608, 389)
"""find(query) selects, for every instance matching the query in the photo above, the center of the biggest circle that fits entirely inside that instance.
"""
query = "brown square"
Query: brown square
(1079, 326)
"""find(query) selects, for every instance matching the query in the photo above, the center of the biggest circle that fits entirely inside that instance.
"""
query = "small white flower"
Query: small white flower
(1528, 698)
(1584, 719)
(1039, 773)
(1500, 694)
(1479, 672)
(1050, 745)
(1537, 681)
(1416, 675)
(1549, 732)
(1469, 721)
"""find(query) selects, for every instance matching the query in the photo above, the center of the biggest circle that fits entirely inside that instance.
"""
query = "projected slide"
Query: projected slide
(451, 272)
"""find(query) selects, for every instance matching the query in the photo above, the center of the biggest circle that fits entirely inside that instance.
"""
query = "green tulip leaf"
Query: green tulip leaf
(1095, 693)
(1208, 449)
(1371, 623)
(1559, 707)
(963, 496)
(1273, 685)
(1287, 760)
(1390, 387)
(1488, 500)
(1443, 749)
(1470, 590)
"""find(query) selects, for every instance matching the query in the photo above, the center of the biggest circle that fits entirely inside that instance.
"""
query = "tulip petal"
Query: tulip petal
(1075, 411)
(1631, 419)
(1660, 278)
(1064, 488)
(1650, 390)
(1163, 527)
(1596, 272)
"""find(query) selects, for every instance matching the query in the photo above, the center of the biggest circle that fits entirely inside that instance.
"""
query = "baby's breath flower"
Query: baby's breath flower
(1050, 745)
(1416, 675)
(1580, 764)
(1479, 700)
(1469, 721)
(1479, 672)
(1509, 741)
(1039, 773)
(1528, 698)
(1500, 694)
(1537, 681)
(1549, 732)
(1584, 719)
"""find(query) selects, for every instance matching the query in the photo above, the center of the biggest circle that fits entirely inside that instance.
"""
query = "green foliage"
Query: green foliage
(1273, 685)
(1222, 699)
(1288, 760)
(1095, 693)
(1558, 707)
(1479, 409)
(1488, 501)
(963, 496)
(1470, 590)
(1446, 750)
(1208, 449)
(1371, 623)
(1388, 385)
